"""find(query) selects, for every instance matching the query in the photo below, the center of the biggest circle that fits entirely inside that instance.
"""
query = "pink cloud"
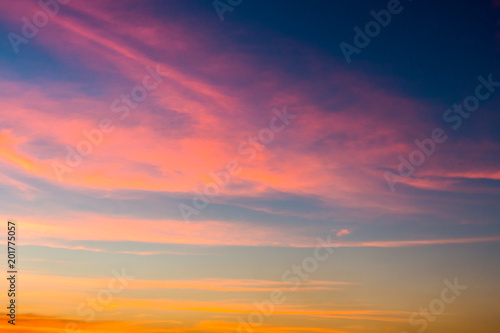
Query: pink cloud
(343, 232)
(334, 149)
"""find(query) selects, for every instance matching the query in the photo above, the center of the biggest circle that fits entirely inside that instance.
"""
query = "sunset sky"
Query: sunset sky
(203, 149)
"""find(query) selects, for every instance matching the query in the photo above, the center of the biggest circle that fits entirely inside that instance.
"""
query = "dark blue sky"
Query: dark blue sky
(437, 48)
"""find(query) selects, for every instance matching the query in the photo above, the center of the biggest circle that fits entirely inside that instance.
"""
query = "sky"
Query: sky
(251, 166)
